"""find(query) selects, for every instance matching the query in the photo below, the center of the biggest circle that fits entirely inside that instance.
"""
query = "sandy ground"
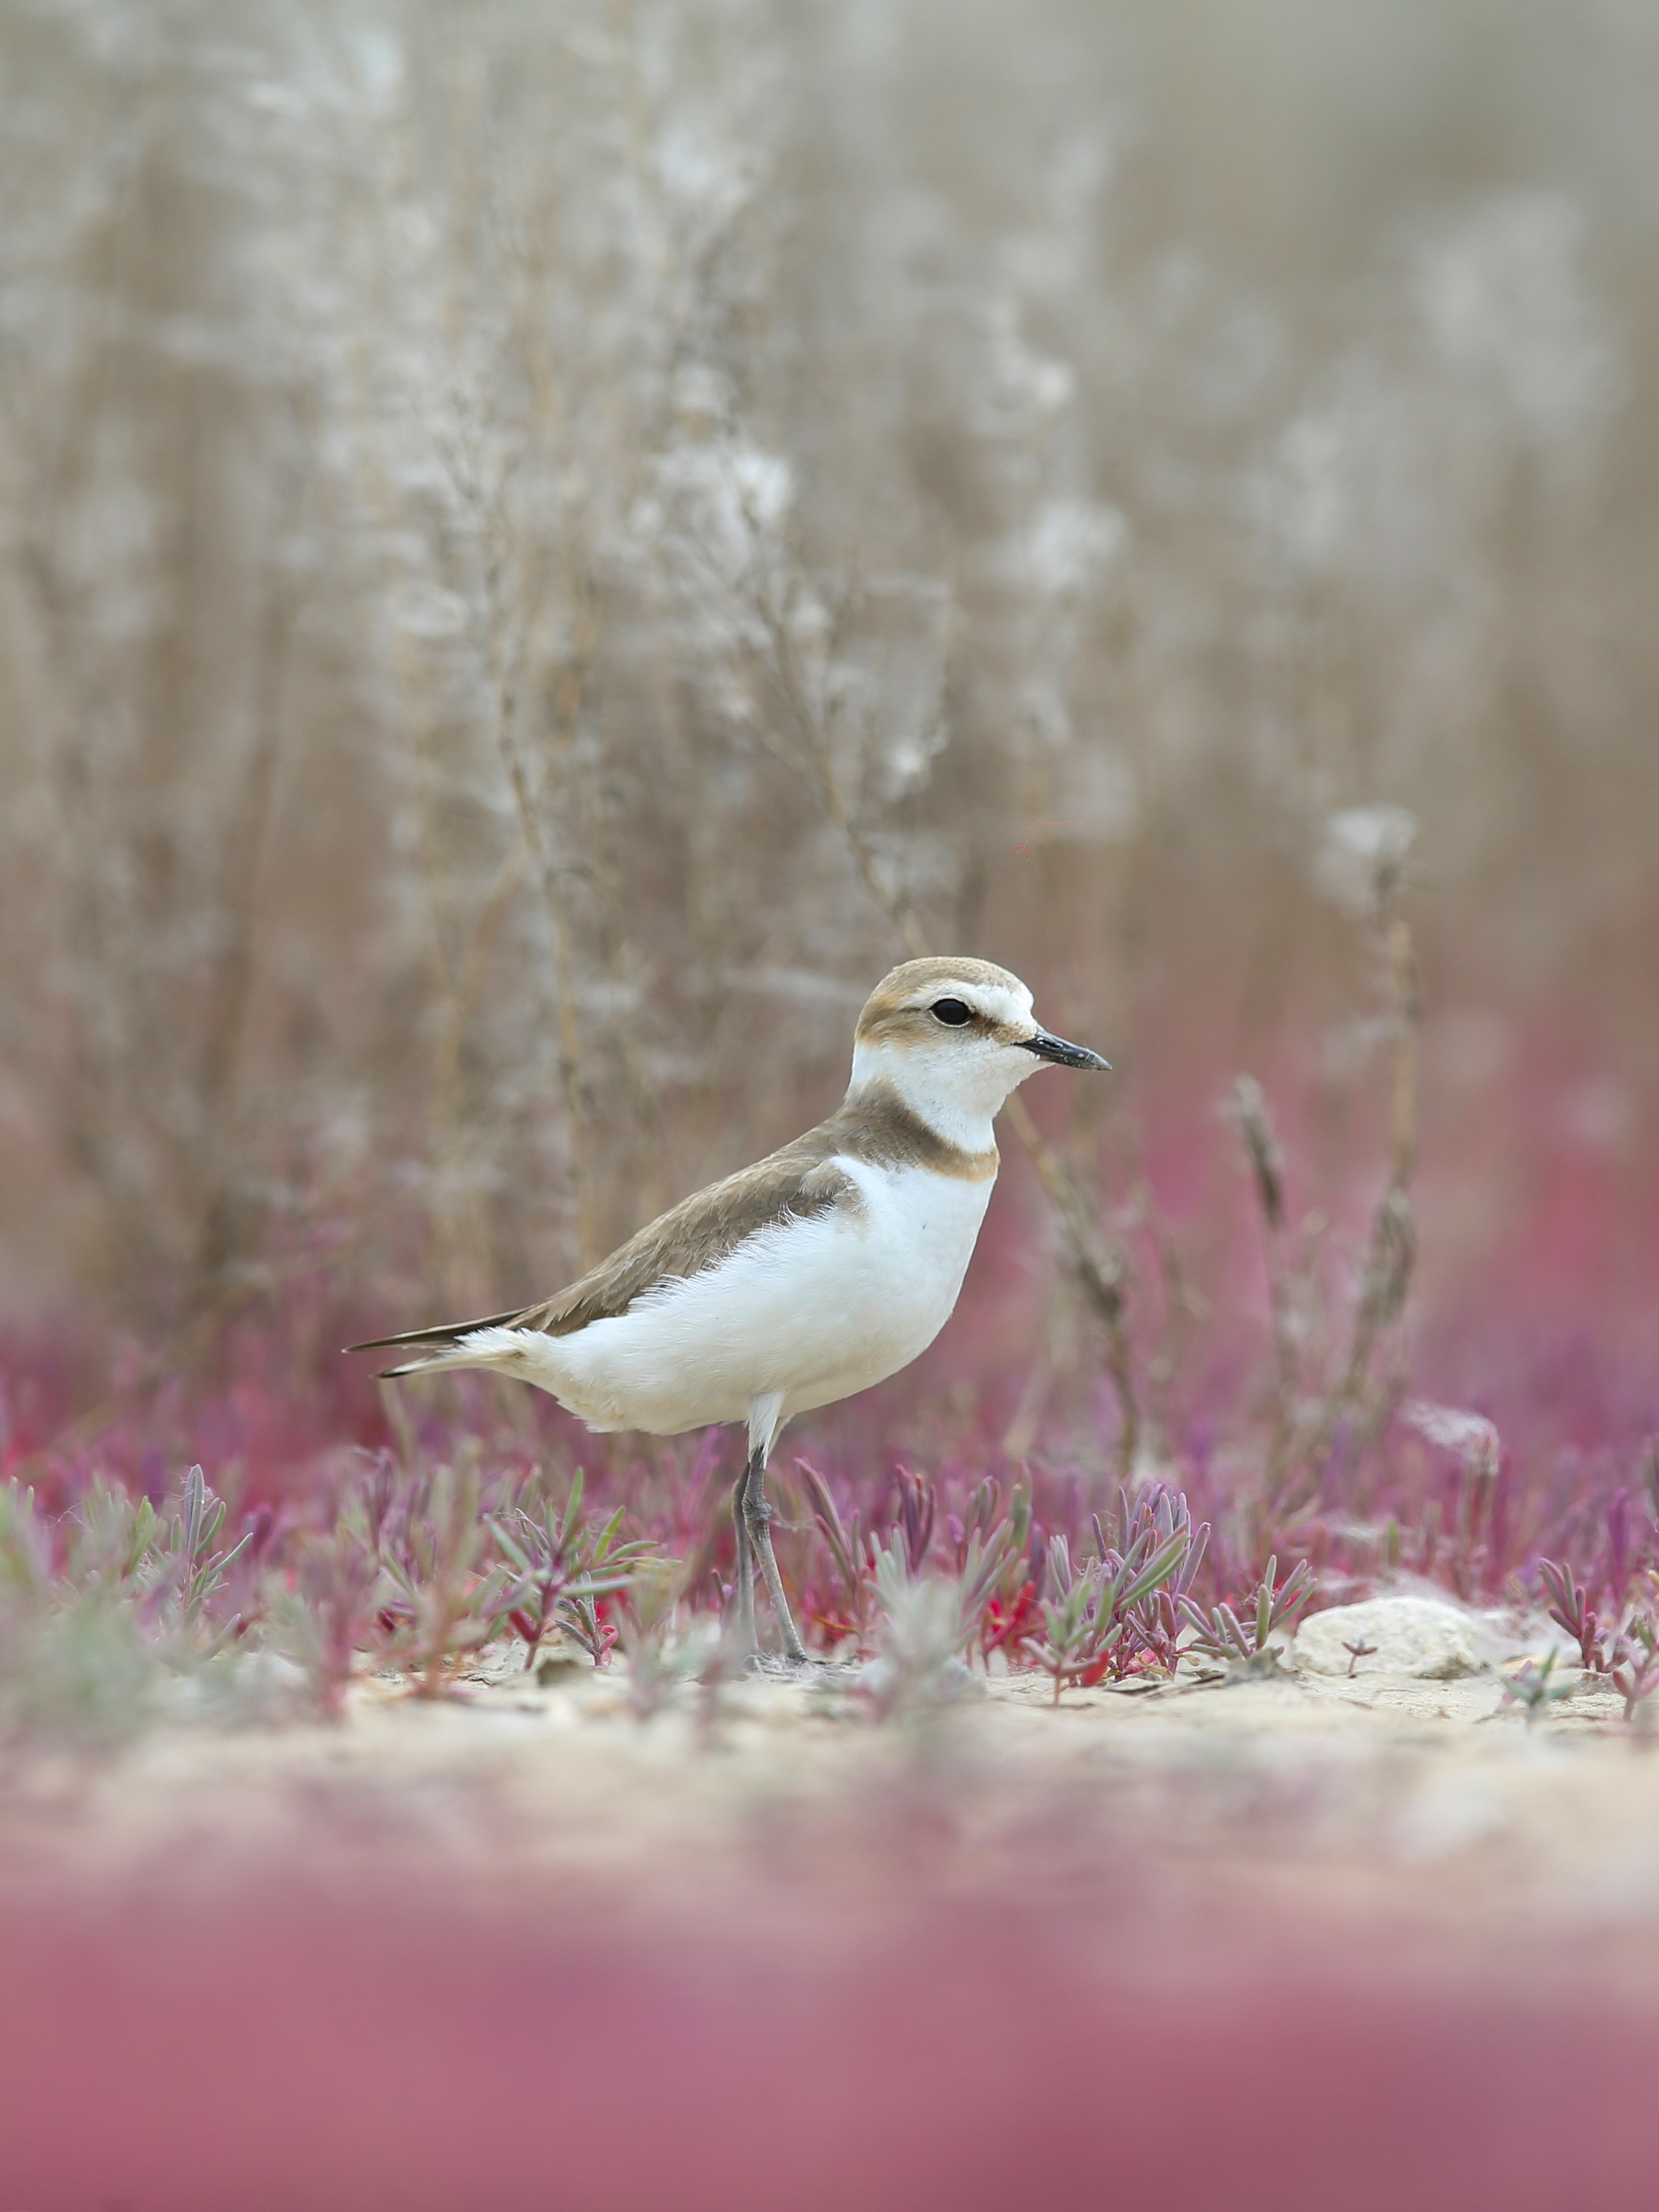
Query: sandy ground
(1427, 1813)
(1213, 1943)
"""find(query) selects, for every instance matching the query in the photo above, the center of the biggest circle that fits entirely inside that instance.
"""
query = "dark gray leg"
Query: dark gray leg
(755, 1516)
(746, 1570)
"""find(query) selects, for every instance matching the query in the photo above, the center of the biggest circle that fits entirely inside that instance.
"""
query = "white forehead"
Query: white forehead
(1002, 1002)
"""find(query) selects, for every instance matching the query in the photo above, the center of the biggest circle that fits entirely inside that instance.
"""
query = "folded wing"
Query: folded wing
(799, 1182)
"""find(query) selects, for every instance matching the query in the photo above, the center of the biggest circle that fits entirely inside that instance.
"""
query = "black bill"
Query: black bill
(1063, 1054)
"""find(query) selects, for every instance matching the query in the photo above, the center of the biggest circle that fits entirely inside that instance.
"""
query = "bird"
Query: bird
(818, 1272)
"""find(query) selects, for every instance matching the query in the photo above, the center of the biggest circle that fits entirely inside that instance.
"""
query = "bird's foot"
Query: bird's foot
(785, 1667)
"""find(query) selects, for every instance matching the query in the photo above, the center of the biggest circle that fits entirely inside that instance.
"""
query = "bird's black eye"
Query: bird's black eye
(952, 1011)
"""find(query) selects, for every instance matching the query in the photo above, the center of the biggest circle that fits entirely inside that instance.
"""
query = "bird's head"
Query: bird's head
(953, 1037)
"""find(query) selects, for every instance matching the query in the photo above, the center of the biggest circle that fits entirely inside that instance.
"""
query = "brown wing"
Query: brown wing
(796, 1183)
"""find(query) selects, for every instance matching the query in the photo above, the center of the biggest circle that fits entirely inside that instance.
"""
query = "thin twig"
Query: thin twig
(1391, 1249)
(506, 644)
(1392, 1253)
(1254, 1120)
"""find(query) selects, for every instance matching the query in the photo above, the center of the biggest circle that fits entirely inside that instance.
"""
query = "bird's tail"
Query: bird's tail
(445, 1363)
(487, 1343)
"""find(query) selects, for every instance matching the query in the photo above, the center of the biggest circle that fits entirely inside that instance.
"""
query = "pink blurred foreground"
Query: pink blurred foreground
(291, 2045)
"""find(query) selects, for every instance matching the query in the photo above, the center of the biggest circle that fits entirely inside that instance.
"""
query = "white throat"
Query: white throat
(957, 1100)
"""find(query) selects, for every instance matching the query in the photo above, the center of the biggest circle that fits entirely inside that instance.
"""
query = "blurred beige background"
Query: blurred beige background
(534, 539)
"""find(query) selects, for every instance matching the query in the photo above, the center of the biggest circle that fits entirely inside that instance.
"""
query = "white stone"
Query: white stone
(1419, 1635)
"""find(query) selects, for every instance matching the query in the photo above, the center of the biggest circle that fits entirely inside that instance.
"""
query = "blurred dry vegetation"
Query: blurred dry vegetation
(537, 541)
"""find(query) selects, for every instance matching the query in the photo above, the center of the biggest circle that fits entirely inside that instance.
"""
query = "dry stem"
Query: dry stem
(1300, 1441)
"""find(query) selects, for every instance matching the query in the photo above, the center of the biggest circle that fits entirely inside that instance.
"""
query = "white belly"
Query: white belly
(811, 1310)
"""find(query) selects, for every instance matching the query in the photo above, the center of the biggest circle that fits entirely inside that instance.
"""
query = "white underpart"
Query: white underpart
(802, 1313)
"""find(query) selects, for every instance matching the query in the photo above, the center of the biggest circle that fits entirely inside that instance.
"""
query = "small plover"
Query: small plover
(821, 1269)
